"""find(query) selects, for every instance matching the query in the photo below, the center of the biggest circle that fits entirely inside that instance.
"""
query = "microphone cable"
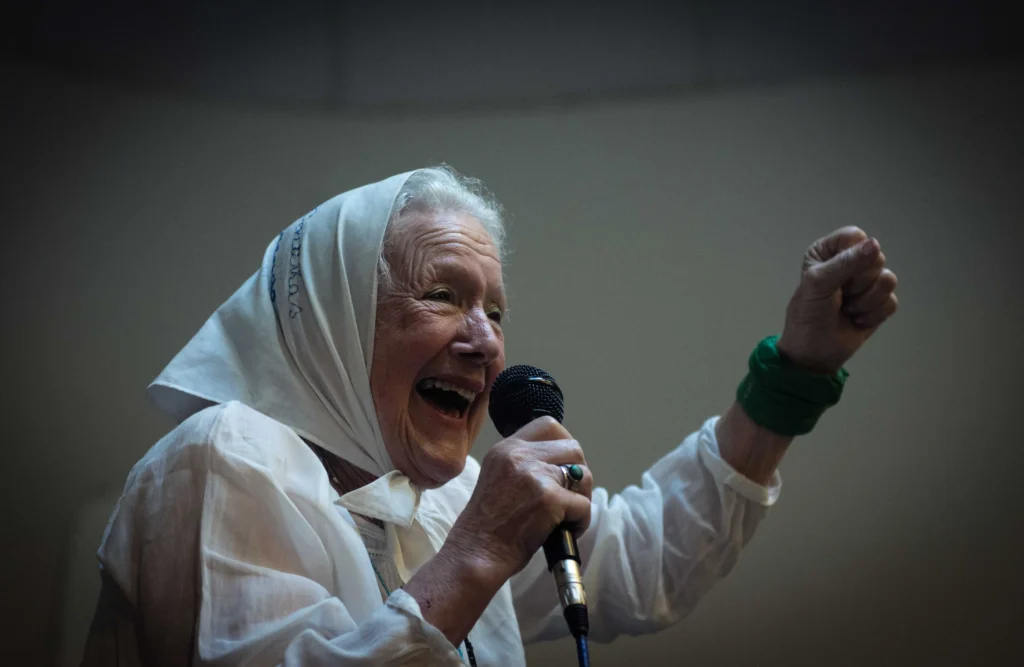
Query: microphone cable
(582, 653)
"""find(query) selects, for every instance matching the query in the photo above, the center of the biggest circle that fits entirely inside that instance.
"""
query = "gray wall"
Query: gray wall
(655, 242)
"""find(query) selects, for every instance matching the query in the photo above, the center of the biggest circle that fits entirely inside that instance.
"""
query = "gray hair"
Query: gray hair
(441, 189)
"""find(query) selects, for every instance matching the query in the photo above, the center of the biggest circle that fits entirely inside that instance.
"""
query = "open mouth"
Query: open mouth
(445, 397)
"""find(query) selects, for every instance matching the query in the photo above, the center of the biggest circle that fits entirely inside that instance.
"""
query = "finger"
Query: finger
(826, 277)
(543, 428)
(876, 317)
(834, 243)
(874, 297)
(584, 487)
(862, 282)
(557, 452)
(575, 508)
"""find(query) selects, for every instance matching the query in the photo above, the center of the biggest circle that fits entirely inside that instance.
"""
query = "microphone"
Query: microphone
(519, 395)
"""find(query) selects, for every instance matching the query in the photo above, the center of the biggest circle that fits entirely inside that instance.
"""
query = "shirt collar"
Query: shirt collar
(391, 498)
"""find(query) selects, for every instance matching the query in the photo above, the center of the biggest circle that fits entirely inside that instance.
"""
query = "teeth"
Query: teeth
(448, 386)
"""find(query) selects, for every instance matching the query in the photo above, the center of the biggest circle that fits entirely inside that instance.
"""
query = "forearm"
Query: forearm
(453, 588)
(753, 451)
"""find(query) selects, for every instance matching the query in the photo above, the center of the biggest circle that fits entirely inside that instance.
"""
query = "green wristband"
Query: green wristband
(783, 398)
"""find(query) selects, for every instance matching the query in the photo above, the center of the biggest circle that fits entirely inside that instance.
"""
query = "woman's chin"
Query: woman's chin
(433, 472)
(435, 446)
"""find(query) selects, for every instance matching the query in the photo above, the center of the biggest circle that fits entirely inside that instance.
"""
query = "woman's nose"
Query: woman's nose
(478, 343)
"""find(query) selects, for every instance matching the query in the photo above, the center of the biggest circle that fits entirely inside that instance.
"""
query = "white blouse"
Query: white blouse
(229, 546)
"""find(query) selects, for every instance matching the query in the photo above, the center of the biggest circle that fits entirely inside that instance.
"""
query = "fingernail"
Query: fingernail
(869, 247)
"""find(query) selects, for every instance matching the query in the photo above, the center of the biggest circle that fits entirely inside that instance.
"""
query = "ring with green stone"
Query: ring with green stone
(572, 475)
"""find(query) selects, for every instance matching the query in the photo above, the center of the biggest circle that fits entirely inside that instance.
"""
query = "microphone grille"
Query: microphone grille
(521, 394)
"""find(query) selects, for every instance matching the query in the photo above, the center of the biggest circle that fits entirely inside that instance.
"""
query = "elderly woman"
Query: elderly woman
(318, 505)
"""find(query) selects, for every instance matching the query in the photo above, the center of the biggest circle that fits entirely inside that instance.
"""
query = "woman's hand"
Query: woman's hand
(519, 498)
(845, 294)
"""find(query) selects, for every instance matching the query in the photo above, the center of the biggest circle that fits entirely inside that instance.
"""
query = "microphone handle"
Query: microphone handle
(563, 556)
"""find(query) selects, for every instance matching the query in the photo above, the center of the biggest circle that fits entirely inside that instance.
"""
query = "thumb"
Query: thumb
(828, 276)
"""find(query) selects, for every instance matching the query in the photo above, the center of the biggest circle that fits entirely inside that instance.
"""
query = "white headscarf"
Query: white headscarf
(295, 342)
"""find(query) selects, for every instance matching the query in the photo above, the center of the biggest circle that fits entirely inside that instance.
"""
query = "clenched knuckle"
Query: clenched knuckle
(501, 452)
(549, 494)
(814, 275)
(523, 466)
(547, 422)
(492, 456)
(557, 430)
(542, 482)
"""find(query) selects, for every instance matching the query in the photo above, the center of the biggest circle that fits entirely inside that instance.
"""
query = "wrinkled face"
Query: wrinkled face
(438, 343)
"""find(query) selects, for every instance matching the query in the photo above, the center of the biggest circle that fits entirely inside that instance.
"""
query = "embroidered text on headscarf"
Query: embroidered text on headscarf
(294, 266)
(295, 342)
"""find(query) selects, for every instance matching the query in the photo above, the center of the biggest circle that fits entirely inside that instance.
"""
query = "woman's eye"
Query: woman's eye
(495, 315)
(440, 295)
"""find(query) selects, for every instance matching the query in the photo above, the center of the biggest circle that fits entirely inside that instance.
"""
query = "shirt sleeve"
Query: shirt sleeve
(653, 550)
(227, 563)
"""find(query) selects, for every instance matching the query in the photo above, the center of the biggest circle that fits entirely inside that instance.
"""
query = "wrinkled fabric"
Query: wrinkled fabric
(295, 343)
(230, 546)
